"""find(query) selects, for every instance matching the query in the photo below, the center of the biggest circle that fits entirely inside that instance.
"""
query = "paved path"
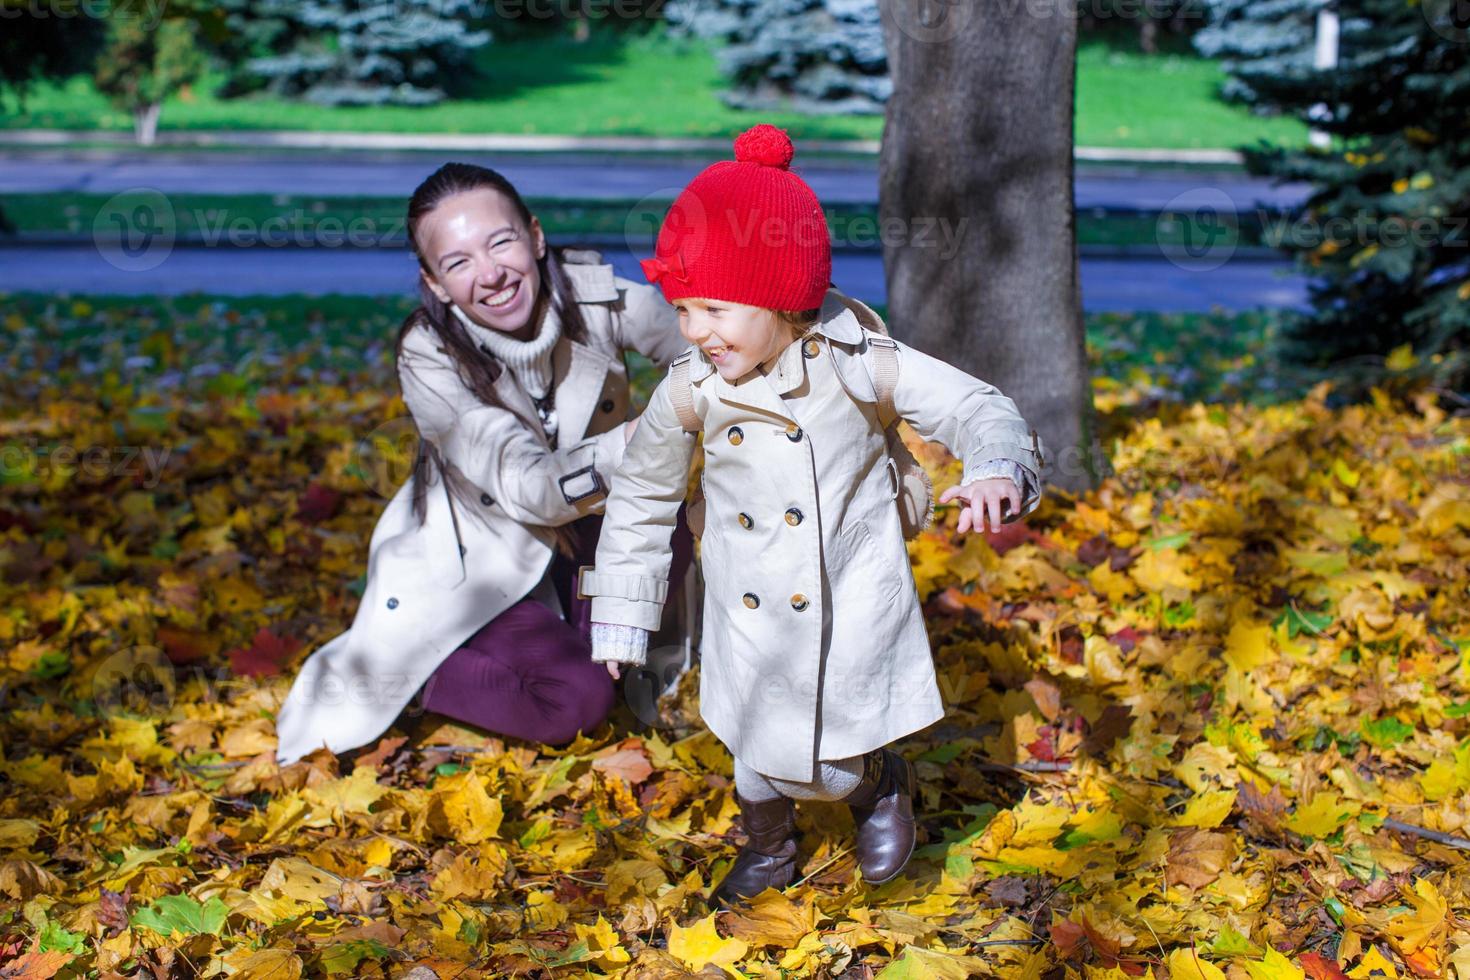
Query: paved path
(1131, 284)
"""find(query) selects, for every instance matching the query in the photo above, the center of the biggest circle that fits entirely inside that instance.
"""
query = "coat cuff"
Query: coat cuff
(627, 612)
(643, 588)
(619, 643)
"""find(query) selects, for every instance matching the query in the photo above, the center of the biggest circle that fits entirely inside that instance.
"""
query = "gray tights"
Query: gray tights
(834, 779)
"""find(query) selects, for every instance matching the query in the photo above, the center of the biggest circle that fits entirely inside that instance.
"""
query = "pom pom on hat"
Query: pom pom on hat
(766, 145)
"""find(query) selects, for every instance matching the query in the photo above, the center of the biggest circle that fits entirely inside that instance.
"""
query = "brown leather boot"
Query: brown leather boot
(768, 857)
(882, 807)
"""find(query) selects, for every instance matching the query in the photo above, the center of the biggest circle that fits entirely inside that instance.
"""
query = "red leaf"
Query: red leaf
(35, 965)
(317, 504)
(1067, 937)
(1319, 967)
(266, 655)
(1126, 638)
(181, 646)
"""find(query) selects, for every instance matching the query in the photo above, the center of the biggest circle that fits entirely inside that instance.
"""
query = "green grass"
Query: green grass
(654, 85)
(377, 218)
(1167, 100)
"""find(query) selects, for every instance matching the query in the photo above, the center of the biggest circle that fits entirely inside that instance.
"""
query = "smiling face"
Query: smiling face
(483, 259)
(735, 337)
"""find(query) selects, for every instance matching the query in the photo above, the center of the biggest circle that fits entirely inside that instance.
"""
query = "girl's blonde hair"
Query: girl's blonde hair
(801, 322)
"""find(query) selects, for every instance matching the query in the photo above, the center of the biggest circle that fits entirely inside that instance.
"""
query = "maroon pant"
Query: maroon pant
(528, 673)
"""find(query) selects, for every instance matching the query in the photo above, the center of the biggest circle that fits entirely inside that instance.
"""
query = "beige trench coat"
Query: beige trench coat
(430, 587)
(813, 640)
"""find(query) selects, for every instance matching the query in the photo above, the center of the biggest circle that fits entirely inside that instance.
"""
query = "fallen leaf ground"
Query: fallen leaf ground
(1198, 718)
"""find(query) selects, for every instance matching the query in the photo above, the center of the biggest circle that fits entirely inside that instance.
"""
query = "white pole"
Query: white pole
(1324, 58)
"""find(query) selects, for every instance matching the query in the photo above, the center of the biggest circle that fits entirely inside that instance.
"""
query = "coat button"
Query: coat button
(736, 436)
(607, 405)
(811, 349)
(486, 499)
(793, 517)
(751, 600)
(793, 432)
(392, 603)
(746, 522)
(798, 602)
(461, 551)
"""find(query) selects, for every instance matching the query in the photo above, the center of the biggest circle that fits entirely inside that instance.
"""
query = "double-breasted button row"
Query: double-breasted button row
(736, 435)
(753, 601)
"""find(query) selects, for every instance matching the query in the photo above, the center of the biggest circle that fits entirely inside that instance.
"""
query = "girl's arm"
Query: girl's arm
(629, 583)
(972, 419)
(495, 450)
(648, 324)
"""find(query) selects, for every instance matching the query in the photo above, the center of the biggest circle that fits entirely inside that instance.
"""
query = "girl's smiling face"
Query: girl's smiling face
(483, 259)
(735, 337)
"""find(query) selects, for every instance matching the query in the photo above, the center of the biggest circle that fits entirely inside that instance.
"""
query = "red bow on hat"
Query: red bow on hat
(656, 268)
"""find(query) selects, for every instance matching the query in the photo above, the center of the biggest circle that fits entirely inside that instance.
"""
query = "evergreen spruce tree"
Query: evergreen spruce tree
(354, 52)
(806, 55)
(1258, 38)
(1384, 233)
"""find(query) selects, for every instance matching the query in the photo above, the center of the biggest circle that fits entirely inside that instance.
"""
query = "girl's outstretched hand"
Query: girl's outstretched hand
(982, 500)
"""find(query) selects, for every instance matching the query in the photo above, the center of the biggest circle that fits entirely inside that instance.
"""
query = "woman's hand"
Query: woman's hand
(612, 668)
(982, 501)
(629, 427)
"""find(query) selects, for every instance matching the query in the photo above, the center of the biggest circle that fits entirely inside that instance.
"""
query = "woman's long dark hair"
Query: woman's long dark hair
(476, 370)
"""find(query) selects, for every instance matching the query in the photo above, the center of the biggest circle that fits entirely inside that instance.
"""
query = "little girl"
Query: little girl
(815, 655)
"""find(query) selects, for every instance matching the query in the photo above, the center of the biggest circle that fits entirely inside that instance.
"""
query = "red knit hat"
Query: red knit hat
(746, 230)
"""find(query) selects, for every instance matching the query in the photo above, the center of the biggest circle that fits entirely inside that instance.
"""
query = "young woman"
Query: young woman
(513, 370)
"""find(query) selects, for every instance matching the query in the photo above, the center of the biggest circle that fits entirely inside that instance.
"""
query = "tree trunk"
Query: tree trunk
(976, 168)
(145, 123)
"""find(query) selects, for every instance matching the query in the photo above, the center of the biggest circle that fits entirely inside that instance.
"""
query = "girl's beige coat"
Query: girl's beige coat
(430, 587)
(813, 640)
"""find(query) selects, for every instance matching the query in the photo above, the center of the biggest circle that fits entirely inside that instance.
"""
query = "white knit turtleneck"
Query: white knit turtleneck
(528, 360)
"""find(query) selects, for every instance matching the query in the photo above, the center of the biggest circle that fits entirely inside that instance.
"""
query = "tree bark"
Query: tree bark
(145, 123)
(977, 145)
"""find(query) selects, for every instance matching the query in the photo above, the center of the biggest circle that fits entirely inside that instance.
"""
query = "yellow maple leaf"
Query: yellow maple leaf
(603, 940)
(1427, 926)
(472, 814)
(1248, 646)
(1373, 964)
(701, 944)
(1188, 964)
(1322, 816)
(1207, 809)
(1274, 967)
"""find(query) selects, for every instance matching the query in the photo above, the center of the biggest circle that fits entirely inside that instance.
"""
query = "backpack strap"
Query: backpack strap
(885, 376)
(681, 393)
